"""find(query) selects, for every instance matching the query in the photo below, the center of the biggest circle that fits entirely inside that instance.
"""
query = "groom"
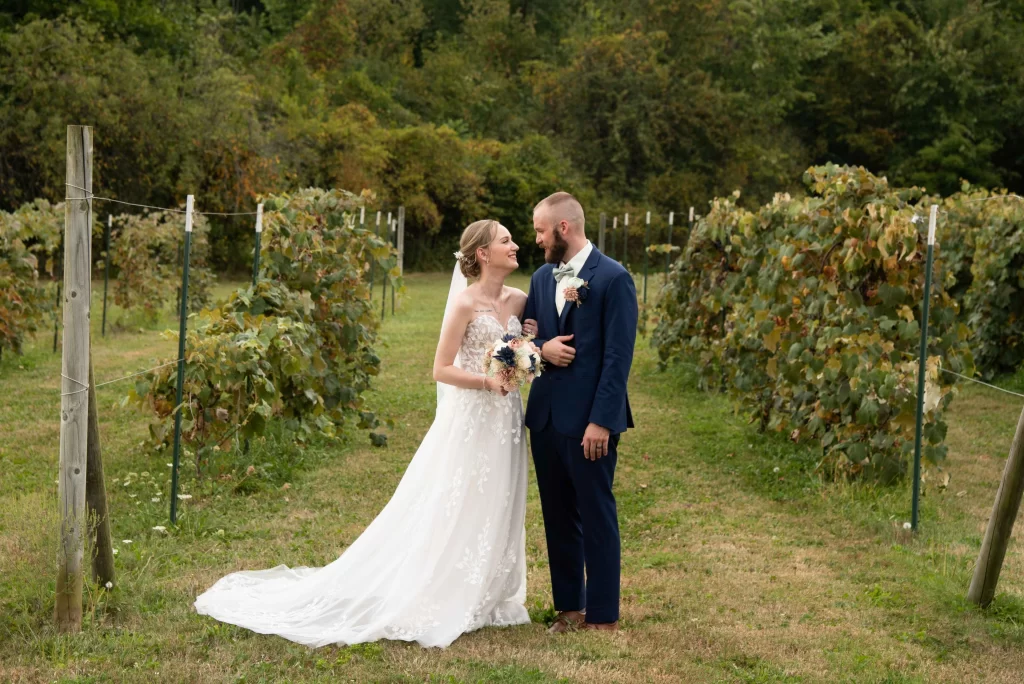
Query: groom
(583, 306)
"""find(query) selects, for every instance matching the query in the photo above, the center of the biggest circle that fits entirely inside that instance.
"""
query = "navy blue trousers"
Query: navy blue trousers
(580, 522)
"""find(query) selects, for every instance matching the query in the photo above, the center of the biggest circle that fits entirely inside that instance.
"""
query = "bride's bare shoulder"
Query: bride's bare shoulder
(518, 299)
(465, 301)
(516, 294)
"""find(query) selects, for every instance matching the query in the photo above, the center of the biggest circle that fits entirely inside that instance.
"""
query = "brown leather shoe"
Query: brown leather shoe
(601, 626)
(567, 621)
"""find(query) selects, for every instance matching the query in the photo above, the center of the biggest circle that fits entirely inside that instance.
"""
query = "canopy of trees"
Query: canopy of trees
(460, 109)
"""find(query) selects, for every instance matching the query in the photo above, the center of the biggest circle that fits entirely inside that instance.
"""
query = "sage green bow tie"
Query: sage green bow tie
(566, 271)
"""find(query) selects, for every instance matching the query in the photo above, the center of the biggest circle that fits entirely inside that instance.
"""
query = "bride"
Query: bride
(446, 556)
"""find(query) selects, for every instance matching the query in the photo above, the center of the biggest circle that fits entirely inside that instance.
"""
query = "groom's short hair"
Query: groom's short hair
(563, 207)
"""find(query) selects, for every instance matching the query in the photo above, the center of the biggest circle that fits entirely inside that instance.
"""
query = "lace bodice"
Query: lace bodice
(481, 334)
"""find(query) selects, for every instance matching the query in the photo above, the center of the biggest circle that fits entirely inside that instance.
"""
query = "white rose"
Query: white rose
(523, 361)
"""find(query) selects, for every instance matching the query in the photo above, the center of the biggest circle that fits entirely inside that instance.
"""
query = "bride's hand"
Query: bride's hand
(492, 385)
(530, 327)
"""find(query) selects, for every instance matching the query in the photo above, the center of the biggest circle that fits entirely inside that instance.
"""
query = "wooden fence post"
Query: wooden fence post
(1000, 525)
(96, 497)
(74, 400)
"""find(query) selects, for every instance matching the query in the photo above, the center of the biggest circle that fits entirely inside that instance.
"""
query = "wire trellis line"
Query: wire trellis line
(917, 218)
(994, 197)
(85, 386)
(92, 197)
(695, 367)
(1016, 394)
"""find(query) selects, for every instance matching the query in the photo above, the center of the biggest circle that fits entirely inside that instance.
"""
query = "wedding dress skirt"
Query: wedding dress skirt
(446, 555)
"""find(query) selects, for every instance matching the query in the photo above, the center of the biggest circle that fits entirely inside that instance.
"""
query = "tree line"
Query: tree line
(466, 108)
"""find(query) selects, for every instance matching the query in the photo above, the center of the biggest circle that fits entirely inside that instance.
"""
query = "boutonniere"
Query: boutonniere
(577, 290)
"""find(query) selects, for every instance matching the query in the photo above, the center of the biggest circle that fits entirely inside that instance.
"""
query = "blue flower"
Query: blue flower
(507, 356)
(508, 338)
(582, 292)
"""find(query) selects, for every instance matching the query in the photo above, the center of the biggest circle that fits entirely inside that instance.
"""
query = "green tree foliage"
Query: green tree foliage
(654, 103)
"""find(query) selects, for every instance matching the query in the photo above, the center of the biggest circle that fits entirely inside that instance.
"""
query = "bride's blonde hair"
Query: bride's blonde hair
(476, 235)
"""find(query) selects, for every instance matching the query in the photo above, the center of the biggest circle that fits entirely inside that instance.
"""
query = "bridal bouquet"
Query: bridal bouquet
(515, 361)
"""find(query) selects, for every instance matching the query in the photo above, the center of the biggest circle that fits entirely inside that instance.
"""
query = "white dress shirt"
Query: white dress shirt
(577, 264)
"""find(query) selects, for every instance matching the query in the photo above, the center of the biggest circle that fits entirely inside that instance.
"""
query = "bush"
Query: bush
(984, 233)
(298, 347)
(808, 312)
(146, 251)
(23, 297)
(29, 240)
(982, 238)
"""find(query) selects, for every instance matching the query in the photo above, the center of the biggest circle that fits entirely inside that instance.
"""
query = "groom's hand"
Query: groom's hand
(595, 441)
(556, 351)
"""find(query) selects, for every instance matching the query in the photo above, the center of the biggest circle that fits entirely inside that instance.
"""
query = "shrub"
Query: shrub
(808, 313)
(297, 348)
(146, 251)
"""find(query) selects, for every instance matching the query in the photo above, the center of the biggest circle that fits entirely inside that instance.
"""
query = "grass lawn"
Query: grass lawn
(739, 563)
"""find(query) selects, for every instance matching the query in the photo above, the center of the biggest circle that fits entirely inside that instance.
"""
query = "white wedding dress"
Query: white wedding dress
(446, 555)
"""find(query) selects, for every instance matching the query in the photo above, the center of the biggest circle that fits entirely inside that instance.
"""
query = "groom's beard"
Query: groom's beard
(556, 254)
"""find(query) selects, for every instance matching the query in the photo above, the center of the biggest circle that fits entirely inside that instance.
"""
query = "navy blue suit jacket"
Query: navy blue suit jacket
(591, 389)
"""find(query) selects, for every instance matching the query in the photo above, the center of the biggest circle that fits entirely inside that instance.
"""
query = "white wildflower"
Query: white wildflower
(159, 528)
(110, 585)
(126, 541)
(184, 497)
(907, 526)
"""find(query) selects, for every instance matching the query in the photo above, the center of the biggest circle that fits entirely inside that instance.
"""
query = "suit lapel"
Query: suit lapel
(564, 318)
(548, 303)
(586, 273)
